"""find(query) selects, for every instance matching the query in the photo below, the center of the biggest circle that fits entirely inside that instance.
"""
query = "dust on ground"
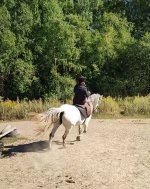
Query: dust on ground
(113, 154)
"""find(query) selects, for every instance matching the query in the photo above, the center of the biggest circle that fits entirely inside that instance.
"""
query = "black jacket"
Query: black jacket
(81, 93)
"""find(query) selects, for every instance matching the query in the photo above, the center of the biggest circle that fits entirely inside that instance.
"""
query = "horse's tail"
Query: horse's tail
(49, 117)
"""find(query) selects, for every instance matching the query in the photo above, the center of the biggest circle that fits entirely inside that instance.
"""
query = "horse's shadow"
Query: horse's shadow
(40, 146)
(30, 147)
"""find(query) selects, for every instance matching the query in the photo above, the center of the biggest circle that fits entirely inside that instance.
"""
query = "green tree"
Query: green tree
(138, 12)
(115, 33)
(135, 67)
(16, 57)
(55, 45)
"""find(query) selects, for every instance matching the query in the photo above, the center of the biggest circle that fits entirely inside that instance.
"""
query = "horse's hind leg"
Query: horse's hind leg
(67, 131)
(51, 136)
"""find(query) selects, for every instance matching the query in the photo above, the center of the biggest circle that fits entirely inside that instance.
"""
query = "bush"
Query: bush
(109, 107)
(10, 110)
(136, 105)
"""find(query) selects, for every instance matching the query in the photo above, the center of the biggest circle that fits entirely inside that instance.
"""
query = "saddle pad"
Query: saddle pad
(85, 109)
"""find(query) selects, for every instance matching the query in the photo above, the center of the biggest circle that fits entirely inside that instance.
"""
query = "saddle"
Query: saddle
(85, 110)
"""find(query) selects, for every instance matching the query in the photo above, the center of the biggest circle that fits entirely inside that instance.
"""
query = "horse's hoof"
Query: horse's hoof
(84, 131)
(78, 138)
(64, 145)
(49, 148)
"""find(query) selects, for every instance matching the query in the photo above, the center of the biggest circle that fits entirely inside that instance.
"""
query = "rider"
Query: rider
(80, 91)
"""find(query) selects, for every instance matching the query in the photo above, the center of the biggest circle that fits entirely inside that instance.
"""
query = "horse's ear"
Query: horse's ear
(101, 96)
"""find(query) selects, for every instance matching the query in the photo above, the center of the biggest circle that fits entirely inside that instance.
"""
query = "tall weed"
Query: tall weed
(10, 110)
(136, 105)
(109, 107)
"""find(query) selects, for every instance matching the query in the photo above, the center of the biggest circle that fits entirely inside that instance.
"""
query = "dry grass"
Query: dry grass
(109, 107)
(10, 110)
(124, 107)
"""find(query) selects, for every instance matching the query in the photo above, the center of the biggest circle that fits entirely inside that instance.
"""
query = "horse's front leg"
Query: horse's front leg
(51, 136)
(86, 123)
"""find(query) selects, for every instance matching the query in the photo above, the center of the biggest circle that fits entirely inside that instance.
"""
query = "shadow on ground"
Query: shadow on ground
(40, 146)
(30, 147)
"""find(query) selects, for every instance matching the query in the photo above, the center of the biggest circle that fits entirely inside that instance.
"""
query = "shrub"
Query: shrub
(109, 107)
(136, 105)
(10, 110)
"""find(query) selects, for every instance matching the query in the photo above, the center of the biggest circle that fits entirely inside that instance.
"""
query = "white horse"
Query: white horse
(69, 116)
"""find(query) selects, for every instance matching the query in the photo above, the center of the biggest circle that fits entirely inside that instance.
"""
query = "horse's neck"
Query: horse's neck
(93, 100)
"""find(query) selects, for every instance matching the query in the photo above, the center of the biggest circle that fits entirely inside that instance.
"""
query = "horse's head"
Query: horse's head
(96, 100)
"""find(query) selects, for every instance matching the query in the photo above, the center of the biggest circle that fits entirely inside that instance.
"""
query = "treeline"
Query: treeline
(44, 44)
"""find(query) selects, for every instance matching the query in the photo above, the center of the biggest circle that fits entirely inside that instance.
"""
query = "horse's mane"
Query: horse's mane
(95, 95)
(94, 98)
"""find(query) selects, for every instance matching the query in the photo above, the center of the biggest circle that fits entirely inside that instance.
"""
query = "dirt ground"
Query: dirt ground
(113, 154)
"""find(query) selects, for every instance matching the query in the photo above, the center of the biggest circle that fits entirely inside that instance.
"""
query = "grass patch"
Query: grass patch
(137, 106)
(129, 107)
(11, 110)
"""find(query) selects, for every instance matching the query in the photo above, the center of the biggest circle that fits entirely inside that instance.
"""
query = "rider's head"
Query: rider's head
(81, 79)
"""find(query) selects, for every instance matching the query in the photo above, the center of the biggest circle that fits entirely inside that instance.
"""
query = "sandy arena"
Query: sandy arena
(113, 154)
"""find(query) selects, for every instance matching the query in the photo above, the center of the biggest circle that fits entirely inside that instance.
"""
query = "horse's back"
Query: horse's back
(71, 114)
